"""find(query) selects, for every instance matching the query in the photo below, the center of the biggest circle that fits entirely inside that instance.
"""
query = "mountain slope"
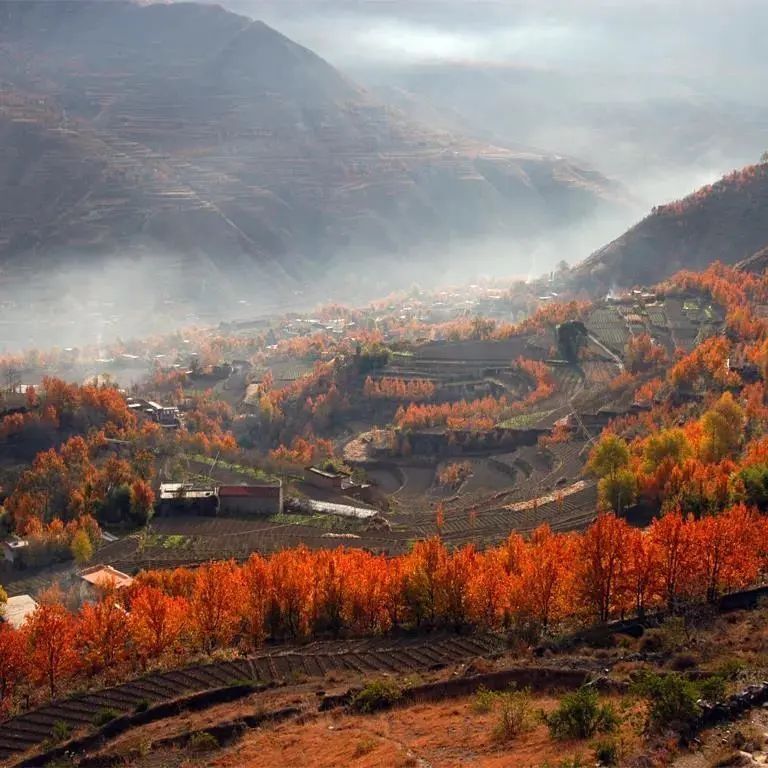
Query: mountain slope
(208, 132)
(726, 221)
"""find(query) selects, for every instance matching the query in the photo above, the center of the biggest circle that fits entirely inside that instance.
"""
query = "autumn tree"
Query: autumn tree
(600, 555)
(102, 634)
(14, 664)
(640, 573)
(727, 551)
(213, 607)
(544, 576)
(671, 534)
(722, 428)
(157, 621)
(142, 501)
(618, 491)
(51, 631)
(291, 607)
(255, 600)
(425, 596)
(609, 456)
(81, 547)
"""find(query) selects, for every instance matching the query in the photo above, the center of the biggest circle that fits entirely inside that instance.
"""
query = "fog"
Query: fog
(71, 304)
(663, 95)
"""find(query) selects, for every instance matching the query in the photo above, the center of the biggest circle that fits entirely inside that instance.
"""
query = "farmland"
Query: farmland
(406, 656)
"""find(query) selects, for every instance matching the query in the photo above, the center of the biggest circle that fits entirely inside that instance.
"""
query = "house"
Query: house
(321, 478)
(187, 498)
(17, 609)
(14, 548)
(261, 499)
(164, 415)
(98, 578)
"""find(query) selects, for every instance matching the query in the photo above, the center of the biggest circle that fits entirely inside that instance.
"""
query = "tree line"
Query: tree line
(550, 580)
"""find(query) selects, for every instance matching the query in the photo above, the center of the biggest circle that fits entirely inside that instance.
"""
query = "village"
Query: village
(513, 467)
(356, 456)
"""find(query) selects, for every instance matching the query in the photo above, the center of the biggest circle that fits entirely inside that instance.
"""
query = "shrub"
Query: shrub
(671, 699)
(104, 716)
(571, 762)
(712, 689)
(580, 716)
(683, 660)
(652, 641)
(364, 746)
(673, 633)
(483, 701)
(60, 731)
(515, 715)
(376, 695)
(141, 706)
(202, 742)
(607, 752)
(730, 669)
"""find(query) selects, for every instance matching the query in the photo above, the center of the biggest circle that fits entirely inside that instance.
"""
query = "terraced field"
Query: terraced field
(364, 657)
(609, 327)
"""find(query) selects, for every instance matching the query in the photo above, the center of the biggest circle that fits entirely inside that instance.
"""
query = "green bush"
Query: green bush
(580, 716)
(712, 689)
(202, 742)
(141, 706)
(60, 731)
(376, 695)
(607, 752)
(104, 716)
(671, 701)
(515, 716)
(483, 701)
(730, 669)
(673, 633)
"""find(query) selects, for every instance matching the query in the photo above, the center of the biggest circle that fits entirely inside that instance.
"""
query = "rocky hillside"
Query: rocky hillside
(196, 129)
(725, 221)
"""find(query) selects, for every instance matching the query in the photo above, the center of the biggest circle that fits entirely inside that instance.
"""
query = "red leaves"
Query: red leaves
(51, 631)
(14, 664)
(398, 389)
(157, 619)
(608, 570)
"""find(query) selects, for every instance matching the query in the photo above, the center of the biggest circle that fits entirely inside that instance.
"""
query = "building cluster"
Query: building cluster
(211, 499)
(89, 585)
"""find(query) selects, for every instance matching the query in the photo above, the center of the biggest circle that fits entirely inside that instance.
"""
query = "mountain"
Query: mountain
(726, 221)
(756, 264)
(189, 129)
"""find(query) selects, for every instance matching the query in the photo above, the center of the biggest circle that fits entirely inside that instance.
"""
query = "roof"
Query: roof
(105, 575)
(323, 473)
(17, 609)
(171, 491)
(16, 543)
(264, 491)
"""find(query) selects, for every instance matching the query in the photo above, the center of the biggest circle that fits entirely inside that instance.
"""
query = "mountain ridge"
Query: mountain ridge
(725, 221)
(211, 122)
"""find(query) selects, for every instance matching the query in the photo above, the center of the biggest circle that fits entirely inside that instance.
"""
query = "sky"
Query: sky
(686, 38)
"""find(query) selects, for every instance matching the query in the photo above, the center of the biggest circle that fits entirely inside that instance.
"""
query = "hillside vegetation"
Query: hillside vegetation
(725, 221)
